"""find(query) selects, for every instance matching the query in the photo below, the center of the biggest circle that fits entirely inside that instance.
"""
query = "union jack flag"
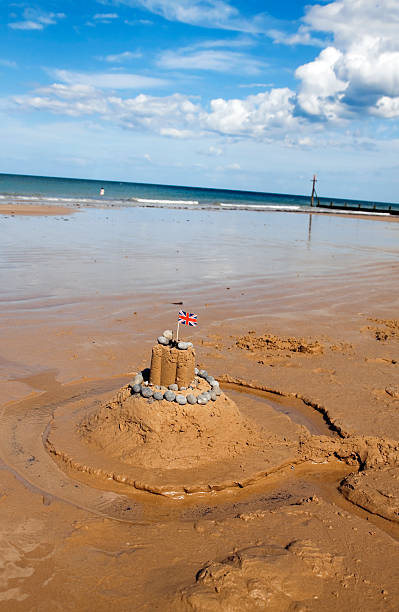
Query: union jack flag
(187, 318)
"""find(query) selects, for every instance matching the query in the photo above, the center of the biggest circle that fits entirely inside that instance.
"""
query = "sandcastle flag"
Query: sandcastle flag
(187, 318)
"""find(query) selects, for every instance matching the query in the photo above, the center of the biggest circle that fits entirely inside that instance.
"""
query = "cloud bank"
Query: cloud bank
(355, 76)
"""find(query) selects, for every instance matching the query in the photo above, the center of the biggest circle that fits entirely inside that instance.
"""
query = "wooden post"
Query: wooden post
(313, 190)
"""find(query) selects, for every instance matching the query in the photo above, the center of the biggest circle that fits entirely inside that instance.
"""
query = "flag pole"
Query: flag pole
(177, 331)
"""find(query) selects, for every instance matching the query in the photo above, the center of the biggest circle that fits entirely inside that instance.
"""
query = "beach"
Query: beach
(298, 320)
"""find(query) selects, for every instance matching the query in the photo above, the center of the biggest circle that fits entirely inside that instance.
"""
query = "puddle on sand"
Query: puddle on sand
(297, 411)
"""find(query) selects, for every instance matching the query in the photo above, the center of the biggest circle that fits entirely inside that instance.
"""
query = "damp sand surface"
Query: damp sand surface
(303, 314)
(35, 210)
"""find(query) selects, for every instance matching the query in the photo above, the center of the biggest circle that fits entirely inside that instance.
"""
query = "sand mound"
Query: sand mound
(269, 342)
(263, 577)
(388, 329)
(168, 436)
(375, 490)
(169, 449)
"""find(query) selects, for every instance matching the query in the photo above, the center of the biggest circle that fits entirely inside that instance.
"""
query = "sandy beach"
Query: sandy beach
(298, 320)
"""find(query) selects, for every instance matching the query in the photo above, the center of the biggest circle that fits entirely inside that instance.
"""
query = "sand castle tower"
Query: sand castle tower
(172, 362)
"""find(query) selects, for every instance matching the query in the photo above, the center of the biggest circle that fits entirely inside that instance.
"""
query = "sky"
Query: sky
(217, 93)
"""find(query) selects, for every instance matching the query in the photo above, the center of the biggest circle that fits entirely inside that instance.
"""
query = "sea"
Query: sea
(24, 189)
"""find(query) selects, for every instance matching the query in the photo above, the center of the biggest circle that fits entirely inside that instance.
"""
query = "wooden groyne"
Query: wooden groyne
(375, 209)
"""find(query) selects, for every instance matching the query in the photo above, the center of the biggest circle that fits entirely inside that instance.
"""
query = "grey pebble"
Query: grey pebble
(136, 388)
(203, 373)
(191, 399)
(163, 340)
(137, 380)
(213, 396)
(158, 395)
(217, 390)
(181, 400)
(169, 396)
(196, 370)
(146, 392)
(215, 384)
(210, 379)
(202, 400)
(173, 387)
(183, 389)
(168, 334)
(183, 346)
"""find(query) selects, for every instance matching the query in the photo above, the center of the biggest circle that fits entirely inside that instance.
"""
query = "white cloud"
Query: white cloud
(69, 92)
(260, 116)
(386, 107)
(302, 37)
(106, 16)
(204, 13)
(34, 19)
(349, 20)
(108, 80)
(176, 133)
(321, 90)
(154, 113)
(8, 63)
(119, 58)
(228, 43)
(26, 25)
(134, 22)
(220, 60)
(255, 116)
(358, 74)
(215, 151)
(215, 55)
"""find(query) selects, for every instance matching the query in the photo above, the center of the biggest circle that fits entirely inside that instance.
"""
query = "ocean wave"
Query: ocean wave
(60, 200)
(342, 211)
(281, 207)
(150, 201)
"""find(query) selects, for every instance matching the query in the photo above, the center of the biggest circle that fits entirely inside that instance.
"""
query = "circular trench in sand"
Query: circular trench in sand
(173, 450)
(25, 427)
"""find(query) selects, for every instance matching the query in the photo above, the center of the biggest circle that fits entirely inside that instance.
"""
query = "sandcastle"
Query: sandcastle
(171, 430)
(173, 370)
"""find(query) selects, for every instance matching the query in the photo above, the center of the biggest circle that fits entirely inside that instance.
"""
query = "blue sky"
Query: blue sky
(251, 95)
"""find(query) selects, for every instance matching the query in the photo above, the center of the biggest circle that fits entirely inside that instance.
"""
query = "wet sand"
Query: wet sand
(35, 209)
(300, 321)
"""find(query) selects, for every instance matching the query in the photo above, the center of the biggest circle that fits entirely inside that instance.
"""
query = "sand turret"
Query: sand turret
(172, 363)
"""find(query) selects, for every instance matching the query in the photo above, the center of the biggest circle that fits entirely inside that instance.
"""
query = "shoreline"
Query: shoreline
(71, 205)
(53, 209)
